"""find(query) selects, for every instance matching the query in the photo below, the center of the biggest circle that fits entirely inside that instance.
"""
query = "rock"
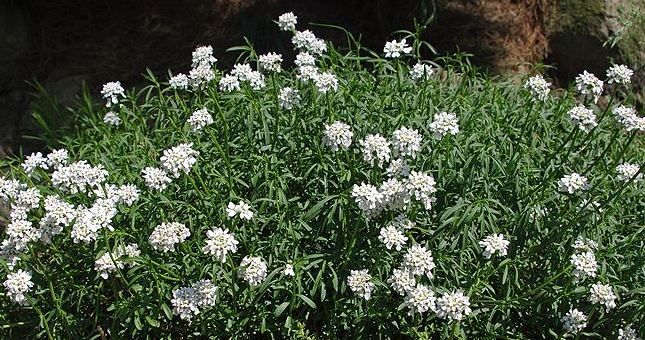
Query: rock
(578, 32)
(14, 42)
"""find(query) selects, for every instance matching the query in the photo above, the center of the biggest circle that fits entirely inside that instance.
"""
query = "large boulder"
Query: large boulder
(579, 31)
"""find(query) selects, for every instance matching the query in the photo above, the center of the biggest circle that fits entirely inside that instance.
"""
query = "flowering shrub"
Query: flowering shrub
(348, 196)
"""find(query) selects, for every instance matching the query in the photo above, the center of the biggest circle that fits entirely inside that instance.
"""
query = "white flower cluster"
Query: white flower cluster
(156, 178)
(17, 285)
(588, 84)
(403, 281)
(33, 162)
(180, 158)
(242, 210)
(574, 321)
(288, 98)
(444, 123)
(628, 333)
(585, 265)
(394, 49)
(20, 233)
(111, 92)
(78, 177)
(166, 235)
(422, 187)
(398, 168)
(308, 42)
(9, 189)
(418, 261)
(57, 158)
(392, 237)
(603, 294)
(179, 81)
(406, 142)
(201, 72)
(187, 302)
(89, 221)
(619, 74)
(229, 83)
(421, 72)
(220, 243)
(58, 214)
(583, 244)
(573, 183)
(338, 135)
(112, 118)
(368, 197)
(494, 244)
(109, 262)
(287, 21)
(420, 299)
(360, 282)
(376, 149)
(253, 269)
(203, 56)
(453, 306)
(304, 59)
(628, 170)
(271, 62)
(288, 270)
(629, 119)
(583, 117)
(242, 73)
(538, 87)
(199, 120)
(326, 82)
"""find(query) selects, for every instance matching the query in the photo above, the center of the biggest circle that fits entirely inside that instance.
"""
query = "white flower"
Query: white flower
(111, 92)
(376, 149)
(420, 299)
(33, 162)
(422, 187)
(127, 194)
(256, 80)
(57, 215)
(628, 118)
(627, 333)
(444, 123)
(288, 98)
(338, 135)
(28, 199)
(398, 168)
(619, 74)
(307, 72)
(407, 142)
(179, 81)
(418, 260)
(20, 233)
(89, 221)
(166, 235)
(453, 306)
(288, 270)
(326, 82)
(360, 282)
(603, 294)
(203, 56)
(588, 84)
(392, 237)
(78, 177)
(287, 21)
(573, 183)
(241, 209)
(395, 194)
(187, 301)
(421, 72)
(10, 253)
(394, 49)
(368, 197)
(402, 281)
(242, 71)
(199, 120)
(201, 75)
(583, 117)
(155, 178)
(585, 265)
(229, 83)
(304, 59)
(253, 269)
(574, 321)
(109, 263)
(583, 244)
(180, 158)
(628, 170)
(538, 87)
(57, 158)
(17, 284)
(270, 62)
(308, 42)
(494, 244)
(219, 243)
(9, 189)
(111, 118)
